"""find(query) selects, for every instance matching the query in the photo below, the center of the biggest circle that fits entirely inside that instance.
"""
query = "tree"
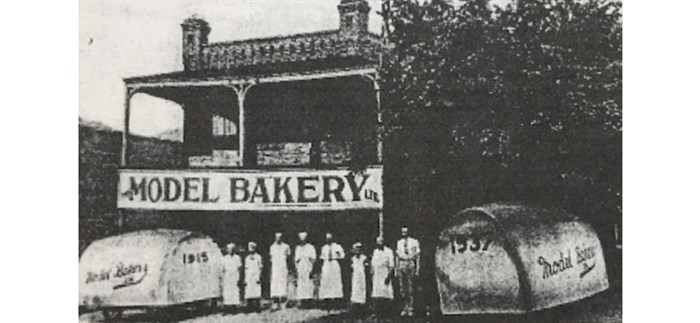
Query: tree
(517, 103)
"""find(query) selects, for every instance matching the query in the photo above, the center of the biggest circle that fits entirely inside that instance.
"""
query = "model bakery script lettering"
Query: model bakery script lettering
(121, 275)
(553, 267)
(258, 190)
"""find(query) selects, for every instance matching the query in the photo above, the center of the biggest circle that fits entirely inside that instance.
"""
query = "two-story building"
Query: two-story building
(272, 130)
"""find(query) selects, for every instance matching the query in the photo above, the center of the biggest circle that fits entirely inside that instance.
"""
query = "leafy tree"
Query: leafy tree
(487, 104)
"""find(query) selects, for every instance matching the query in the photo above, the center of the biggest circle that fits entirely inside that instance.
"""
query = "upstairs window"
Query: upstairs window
(223, 127)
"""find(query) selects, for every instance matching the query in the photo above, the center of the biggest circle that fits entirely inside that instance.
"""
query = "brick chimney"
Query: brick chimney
(354, 16)
(195, 36)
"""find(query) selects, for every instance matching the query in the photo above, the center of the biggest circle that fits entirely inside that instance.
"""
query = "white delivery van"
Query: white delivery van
(509, 258)
(150, 269)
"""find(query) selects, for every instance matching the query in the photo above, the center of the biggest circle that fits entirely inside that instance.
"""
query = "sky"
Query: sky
(121, 39)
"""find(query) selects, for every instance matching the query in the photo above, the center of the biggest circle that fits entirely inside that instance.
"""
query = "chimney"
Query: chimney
(354, 16)
(195, 36)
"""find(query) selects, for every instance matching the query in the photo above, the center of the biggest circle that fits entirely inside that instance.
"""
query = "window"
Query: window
(223, 127)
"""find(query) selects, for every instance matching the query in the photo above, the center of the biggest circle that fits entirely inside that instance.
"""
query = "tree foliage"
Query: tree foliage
(485, 104)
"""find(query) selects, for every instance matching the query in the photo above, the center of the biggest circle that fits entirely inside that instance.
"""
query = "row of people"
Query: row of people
(382, 267)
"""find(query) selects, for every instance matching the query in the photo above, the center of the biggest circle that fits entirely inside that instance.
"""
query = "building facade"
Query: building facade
(273, 131)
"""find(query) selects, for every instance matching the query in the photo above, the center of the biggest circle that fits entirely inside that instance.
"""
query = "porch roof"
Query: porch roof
(269, 73)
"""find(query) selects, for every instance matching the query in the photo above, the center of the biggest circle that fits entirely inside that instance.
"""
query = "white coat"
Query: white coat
(279, 253)
(231, 277)
(358, 293)
(382, 266)
(253, 270)
(304, 258)
(331, 286)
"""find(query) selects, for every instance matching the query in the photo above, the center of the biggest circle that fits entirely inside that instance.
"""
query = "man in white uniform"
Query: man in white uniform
(253, 270)
(408, 265)
(231, 280)
(331, 287)
(279, 256)
(382, 276)
(304, 258)
(358, 292)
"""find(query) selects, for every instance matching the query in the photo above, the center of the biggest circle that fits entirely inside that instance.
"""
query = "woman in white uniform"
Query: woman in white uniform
(231, 279)
(253, 271)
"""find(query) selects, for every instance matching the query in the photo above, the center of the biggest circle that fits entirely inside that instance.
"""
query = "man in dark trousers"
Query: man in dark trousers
(408, 268)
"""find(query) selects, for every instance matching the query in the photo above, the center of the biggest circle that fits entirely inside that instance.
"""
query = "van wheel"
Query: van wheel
(111, 315)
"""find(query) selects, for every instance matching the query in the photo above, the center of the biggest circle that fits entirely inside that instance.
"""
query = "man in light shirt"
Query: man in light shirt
(408, 268)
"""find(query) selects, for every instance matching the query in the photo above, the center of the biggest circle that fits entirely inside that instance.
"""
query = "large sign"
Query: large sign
(253, 190)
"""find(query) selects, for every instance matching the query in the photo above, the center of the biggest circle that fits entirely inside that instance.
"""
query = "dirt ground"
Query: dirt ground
(604, 307)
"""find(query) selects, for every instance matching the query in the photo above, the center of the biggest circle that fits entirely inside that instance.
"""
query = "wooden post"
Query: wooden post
(380, 122)
(241, 91)
(121, 216)
(241, 125)
(125, 133)
(380, 143)
(374, 78)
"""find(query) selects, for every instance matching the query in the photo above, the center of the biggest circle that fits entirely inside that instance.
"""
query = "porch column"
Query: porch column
(127, 117)
(380, 122)
(241, 91)
(125, 134)
(374, 78)
(380, 130)
(121, 214)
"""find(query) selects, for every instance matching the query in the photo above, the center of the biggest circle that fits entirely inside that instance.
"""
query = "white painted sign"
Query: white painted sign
(253, 190)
